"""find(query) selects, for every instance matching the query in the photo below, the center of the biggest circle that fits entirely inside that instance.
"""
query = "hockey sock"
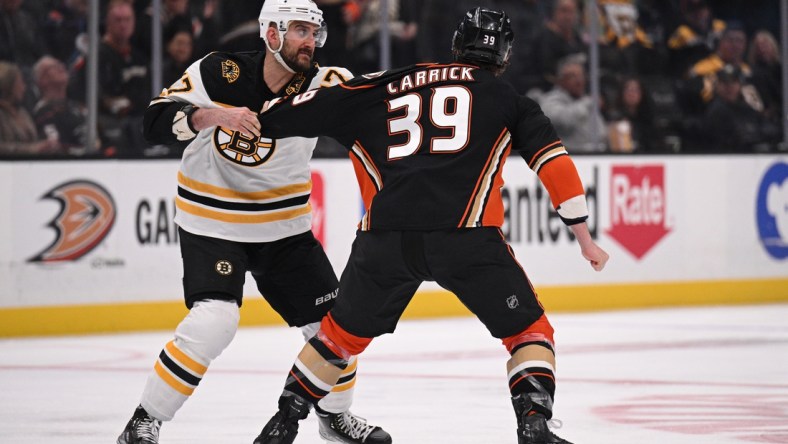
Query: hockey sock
(199, 339)
(537, 379)
(303, 381)
(341, 395)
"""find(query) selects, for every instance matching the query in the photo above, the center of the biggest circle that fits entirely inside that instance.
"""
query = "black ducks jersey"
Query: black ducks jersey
(429, 141)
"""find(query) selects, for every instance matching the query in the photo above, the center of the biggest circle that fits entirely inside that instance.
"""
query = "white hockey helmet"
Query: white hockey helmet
(282, 12)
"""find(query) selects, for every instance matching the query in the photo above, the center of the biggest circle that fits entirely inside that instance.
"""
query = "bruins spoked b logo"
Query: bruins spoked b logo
(243, 150)
(224, 267)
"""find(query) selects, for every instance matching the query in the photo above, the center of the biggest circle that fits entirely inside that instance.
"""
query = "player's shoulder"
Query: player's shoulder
(231, 66)
(325, 76)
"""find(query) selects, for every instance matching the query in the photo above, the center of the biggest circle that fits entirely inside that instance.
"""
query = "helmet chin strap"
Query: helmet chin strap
(277, 52)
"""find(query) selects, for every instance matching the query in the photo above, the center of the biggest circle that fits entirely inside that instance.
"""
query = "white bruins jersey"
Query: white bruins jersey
(237, 188)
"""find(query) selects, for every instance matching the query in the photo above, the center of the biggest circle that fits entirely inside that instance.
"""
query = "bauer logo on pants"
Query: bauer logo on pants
(87, 214)
(638, 207)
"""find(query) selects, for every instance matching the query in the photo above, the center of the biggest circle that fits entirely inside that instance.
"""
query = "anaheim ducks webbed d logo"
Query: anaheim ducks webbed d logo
(87, 214)
(243, 150)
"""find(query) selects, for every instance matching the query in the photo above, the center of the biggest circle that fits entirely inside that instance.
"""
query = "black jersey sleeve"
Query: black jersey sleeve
(321, 112)
(157, 122)
(533, 130)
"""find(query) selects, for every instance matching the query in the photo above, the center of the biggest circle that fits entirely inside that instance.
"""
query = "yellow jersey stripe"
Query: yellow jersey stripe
(241, 218)
(207, 188)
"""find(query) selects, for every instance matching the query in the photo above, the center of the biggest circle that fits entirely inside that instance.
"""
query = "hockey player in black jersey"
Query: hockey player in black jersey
(243, 205)
(428, 143)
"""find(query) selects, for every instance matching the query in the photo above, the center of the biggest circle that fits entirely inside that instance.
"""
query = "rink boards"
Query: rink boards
(91, 247)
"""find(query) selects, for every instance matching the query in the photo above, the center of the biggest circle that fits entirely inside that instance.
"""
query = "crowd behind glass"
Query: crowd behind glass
(675, 76)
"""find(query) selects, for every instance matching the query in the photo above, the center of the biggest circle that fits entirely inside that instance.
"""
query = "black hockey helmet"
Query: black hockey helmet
(483, 36)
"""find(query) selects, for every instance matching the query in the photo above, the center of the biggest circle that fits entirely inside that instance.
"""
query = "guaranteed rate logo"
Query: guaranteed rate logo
(772, 211)
(87, 214)
(638, 207)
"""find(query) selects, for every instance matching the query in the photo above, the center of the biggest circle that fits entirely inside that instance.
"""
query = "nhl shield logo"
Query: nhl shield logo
(512, 301)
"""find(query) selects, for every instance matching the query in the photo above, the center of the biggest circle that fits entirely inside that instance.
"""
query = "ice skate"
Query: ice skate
(532, 426)
(350, 429)
(141, 429)
(282, 428)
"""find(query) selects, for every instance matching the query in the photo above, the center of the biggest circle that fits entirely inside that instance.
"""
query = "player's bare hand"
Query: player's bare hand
(596, 256)
(242, 120)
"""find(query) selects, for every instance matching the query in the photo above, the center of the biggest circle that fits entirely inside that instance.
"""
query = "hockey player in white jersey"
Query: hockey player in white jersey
(243, 205)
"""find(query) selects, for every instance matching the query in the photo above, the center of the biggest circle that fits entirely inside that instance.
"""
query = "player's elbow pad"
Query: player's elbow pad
(157, 124)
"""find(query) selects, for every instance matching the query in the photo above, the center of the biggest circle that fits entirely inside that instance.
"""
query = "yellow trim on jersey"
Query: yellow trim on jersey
(488, 180)
(206, 188)
(241, 218)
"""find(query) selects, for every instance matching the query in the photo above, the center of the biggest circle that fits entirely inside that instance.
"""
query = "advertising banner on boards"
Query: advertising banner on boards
(102, 232)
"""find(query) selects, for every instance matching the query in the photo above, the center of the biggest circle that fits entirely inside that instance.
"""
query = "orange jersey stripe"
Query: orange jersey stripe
(369, 180)
(560, 178)
(493, 211)
(472, 203)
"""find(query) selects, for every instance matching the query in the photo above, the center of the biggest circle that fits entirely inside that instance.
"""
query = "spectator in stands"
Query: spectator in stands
(695, 38)
(763, 58)
(624, 46)
(60, 120)
(204, 29)
(527, 18)
(559, 39)
(124, 83)
(178, 51)
(433, 29)
(634, 107)
(365, 35)
(18, 135)
(240, 26)
(573, 112)
(21, 37)
(65, 26)
(340, 13)
(730, 123)
(730, 51)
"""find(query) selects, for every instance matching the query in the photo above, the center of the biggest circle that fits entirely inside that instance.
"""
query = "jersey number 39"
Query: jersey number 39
(449, 108)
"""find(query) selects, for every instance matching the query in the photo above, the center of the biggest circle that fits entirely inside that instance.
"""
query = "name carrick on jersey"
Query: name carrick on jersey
(231, 186)
(428, 143)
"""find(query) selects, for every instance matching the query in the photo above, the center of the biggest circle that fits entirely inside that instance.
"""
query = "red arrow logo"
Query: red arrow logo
(637, 205)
